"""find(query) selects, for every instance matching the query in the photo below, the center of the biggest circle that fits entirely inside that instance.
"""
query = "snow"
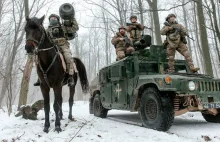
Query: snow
(190, 127)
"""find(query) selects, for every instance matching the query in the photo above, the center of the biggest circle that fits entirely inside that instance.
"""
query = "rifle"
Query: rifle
(178, 30)
(135, 24)
(127, 42)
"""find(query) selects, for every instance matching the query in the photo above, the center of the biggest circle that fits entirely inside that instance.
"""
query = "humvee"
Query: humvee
(140, 83)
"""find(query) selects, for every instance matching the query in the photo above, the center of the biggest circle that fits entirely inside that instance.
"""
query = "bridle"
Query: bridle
(37, 43)
(37, 49)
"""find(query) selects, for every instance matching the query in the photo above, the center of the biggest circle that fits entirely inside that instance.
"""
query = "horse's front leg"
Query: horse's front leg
(45, 91)
(57, 106)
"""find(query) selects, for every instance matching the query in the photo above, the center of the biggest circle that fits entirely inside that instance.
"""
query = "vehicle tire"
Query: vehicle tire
(211, 118)
(98, 109)
(156, 110)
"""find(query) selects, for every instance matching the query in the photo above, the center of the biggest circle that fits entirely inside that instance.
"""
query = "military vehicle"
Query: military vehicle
(140, 83)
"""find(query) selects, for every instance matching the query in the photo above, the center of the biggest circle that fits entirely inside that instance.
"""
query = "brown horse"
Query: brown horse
(50, 70)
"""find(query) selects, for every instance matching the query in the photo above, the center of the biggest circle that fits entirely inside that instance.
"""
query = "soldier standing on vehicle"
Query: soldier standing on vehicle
(134, 29)
(60, 34)
(122, 43)
(176, 40)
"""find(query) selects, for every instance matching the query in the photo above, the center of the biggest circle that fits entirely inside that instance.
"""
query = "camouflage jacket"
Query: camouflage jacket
(134, 30)
(62, 32)
(117, 42)
(173, 34)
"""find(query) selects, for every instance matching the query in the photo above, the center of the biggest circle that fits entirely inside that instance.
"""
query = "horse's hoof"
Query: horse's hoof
(71, 119)
(58, 129)
(46, 129)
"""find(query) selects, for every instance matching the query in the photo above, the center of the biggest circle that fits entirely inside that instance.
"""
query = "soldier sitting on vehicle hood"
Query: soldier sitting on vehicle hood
(175, 40)
(122, 43)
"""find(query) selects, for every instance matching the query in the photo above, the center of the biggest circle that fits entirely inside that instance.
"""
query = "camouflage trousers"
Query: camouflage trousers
(183, 50)
(68, 58)
(121, 52)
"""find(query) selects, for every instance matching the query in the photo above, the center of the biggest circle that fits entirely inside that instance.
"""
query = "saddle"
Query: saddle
(62, 60)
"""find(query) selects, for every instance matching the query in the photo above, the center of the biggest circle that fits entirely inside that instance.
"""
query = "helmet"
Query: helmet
(133, 16)
(169, 16)
(54, 15)
(122, 27)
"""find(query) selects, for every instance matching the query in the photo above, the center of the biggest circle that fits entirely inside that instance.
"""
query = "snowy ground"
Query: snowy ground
(190, 127)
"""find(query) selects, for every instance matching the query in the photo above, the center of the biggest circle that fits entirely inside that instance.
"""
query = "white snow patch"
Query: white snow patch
(186, 128)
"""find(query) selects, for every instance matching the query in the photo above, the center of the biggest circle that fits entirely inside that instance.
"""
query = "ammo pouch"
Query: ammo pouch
(183, 39)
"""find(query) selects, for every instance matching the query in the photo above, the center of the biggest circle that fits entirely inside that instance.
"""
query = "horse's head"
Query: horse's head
(34, 33)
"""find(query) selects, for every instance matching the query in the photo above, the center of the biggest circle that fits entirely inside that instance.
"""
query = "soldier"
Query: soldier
(60, 34)
(122, 43)
(135, 29)
(175, 38)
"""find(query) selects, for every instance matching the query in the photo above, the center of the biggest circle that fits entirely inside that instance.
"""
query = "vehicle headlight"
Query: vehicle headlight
(192, 86)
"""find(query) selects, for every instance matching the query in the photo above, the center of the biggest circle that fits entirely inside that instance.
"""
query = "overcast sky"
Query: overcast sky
(83, 14)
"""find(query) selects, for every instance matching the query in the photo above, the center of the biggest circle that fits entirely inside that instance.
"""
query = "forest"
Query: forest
(98, 22)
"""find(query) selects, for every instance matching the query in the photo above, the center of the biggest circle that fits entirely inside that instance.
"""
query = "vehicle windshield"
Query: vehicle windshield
(148, 68)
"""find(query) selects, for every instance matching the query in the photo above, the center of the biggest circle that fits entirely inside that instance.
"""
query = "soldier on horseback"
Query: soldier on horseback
(46, 45)
(60, 34)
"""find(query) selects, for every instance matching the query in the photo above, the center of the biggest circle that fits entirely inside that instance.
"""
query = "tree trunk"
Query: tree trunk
(25, 82)
(200, 52)
(215, 19)
(153, 5)
(204, 39)
(186, 25)
(27, 71)
(141, 12)
(213, 27)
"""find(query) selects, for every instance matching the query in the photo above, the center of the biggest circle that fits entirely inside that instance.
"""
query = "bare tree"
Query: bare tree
(29, 63)
(204, 38)
(153, 6)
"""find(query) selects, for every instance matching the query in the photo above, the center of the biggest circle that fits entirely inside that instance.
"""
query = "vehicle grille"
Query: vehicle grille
(208, 86)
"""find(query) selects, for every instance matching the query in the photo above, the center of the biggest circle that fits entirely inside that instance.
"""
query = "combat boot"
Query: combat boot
(170, 71)
(193, 69)
(37, 83)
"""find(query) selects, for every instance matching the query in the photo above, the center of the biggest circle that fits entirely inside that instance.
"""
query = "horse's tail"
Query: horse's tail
(82, 75)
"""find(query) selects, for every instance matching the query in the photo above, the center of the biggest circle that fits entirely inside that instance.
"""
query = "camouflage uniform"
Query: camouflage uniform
(62, 38)
(176, 42)
(120, 46)
(134, 30)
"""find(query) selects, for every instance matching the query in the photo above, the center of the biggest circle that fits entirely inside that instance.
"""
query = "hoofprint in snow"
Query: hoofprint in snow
(190, 127)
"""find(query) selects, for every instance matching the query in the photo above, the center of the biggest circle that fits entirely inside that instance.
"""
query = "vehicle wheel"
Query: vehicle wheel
(98, 109)
(211, 118)
(156, 110)
(91, 106)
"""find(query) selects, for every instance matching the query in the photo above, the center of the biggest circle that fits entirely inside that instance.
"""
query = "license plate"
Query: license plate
(211, 105)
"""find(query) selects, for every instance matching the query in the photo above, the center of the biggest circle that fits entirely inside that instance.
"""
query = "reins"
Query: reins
(37, 50)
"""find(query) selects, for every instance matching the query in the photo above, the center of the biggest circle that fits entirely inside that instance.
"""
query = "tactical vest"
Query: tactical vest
(121, 44)
(56, 32)
(61, 32)
(135, 33)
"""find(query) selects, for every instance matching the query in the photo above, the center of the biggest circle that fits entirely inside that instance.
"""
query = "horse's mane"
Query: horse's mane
(33, 22)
